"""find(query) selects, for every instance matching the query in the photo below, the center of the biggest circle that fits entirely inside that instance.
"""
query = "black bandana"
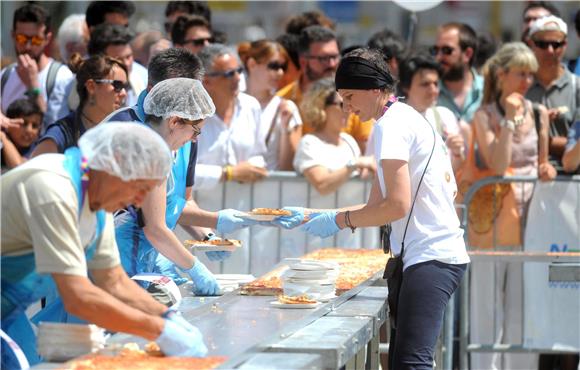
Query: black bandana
(359, 74)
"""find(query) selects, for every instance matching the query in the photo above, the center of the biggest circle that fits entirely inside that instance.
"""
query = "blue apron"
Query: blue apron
(23, 286)
(137, 254)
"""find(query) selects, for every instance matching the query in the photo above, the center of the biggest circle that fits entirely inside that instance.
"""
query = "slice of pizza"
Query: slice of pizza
(270, 212)
(300, 299)
(229, 245)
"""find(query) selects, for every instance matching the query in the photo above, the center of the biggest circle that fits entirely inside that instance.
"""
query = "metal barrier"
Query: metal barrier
(569, 271)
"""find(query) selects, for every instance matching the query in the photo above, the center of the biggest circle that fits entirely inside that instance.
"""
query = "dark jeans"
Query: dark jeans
(425, 291)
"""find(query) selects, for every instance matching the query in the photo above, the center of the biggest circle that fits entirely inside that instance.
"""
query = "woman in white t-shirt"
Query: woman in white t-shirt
(265, 62)
(419, 81)
(413, 191)
(327, 157)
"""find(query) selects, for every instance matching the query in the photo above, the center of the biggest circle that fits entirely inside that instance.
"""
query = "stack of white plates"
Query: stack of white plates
(231, 282)
(316, 279)
(62, 342)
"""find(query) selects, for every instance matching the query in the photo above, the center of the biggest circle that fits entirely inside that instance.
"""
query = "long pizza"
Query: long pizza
(356, 266)
(213, 245)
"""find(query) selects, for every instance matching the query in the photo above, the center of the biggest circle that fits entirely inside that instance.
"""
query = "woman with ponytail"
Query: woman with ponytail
(102, 88)
(265, 62)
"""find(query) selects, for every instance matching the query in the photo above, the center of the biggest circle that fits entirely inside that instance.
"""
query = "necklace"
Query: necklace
(90, 121)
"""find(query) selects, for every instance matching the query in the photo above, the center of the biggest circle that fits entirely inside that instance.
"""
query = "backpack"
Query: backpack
(50, 78)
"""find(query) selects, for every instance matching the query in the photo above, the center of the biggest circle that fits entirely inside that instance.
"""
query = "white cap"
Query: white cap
(179, 97)
(549, 23)
(129, 151)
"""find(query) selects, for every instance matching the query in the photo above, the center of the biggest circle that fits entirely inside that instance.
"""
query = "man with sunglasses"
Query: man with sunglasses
(461, 86)
(191, 32)
(555, 87)
(34, 75)
(535, 10)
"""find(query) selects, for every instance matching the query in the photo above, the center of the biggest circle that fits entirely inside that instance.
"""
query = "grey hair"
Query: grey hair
(212, 51)
(71, 30)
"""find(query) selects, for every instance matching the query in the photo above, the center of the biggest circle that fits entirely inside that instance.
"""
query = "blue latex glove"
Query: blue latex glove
(216, 255)
(166, 268)
(290, 222)
(178, 339)
(322, 224)
(228, 221)
(205, 282)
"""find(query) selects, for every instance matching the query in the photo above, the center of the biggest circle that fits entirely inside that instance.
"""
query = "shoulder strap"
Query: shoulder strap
(438, 120)
(51, 77)
(273, 123)
(5, 76)
(418, 187)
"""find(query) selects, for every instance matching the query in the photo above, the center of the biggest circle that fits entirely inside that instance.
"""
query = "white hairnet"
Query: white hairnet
(130, 151)
(179, 97)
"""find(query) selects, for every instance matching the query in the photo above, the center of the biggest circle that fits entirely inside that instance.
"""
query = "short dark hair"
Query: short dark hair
(189, 7)
(542, 4)
(486, 47)
(290, 43)
(97, 10)
(183, 24)
(577, 22)
(173, 63)
(377, 58)
(413, 64)
(32, 13)
(23, 107)
(313, 34)
(314, 18)
(389, 43)
(467, 36)
(105, 35)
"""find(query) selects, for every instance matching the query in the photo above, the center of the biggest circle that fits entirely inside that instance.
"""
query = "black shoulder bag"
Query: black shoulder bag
(394, 268)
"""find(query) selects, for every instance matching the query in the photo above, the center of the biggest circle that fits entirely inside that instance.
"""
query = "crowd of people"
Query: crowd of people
(298, 102)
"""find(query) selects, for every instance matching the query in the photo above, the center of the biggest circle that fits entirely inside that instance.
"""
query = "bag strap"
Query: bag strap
(6, 75)
(51, 77)
(273, 123)
(418, 187)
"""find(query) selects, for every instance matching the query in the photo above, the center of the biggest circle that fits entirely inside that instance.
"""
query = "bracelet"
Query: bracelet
(32, 93)
(228, 173)
(347, 221)
(208, 237)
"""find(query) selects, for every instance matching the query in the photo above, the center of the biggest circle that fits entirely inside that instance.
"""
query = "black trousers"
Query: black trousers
(425, 292)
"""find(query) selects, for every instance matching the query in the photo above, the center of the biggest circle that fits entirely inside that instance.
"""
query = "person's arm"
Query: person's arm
(546, 171)
(326, 181)
(496, 150)
(193, 215)
(157, 232)
(45, 146)
(291, 135)
(116, 282)
(571, 158)
(10, 153)
(89, 302)
(379, 210)
(27, 70)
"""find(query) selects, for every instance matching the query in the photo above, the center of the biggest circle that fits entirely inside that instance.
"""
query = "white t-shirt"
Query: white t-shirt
(138, 80)
(40, 215)
(220, 144)
(312, 151)
(266, 119)
(433, 232)
(15, 89)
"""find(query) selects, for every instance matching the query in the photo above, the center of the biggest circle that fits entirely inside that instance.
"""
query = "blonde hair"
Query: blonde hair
(510, 55)
(315, 100)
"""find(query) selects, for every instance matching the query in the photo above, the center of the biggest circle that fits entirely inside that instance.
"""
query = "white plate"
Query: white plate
(253, 217)
(297, 305)
(212, 248)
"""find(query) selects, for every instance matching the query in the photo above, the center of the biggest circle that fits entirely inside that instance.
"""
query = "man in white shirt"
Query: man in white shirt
(34, 74)
(229, 147)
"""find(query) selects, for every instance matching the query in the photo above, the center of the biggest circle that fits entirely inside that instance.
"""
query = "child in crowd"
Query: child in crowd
(17, 140)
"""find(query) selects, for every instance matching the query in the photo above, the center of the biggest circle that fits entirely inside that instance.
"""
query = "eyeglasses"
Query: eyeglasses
(445, 50)
(335, 103)
(324, 58)
(194, 124)
(22, 39)
(546, 44)
(117, 84)
(275, 66)
(199, 42)
(226, 74)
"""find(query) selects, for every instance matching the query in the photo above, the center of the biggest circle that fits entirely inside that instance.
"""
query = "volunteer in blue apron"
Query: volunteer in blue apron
(55, 228)
(175, 108)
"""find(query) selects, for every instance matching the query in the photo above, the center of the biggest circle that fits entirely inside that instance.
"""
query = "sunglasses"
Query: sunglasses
(199, 42)
(23, 39)
(117, 85)
(194, 124)
(226, 74)
(445, 50)
(324, 58)
(336, 103)
(275, 66)
(546, 44)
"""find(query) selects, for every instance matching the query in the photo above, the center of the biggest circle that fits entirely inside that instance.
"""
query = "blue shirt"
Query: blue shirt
(472, 99)
(65, 132)
(573, 135)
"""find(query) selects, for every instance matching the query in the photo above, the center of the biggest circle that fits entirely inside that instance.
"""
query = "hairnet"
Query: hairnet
(130, 151)
(179, 97)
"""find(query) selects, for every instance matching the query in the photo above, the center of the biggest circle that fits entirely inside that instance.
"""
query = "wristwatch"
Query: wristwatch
(509, 124)
(208, 237)
(351, 164)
